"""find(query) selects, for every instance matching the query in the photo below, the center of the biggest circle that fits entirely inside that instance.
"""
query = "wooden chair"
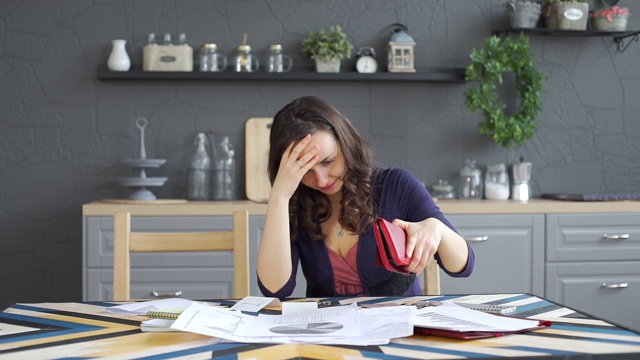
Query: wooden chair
(432, 278)
(126, 242)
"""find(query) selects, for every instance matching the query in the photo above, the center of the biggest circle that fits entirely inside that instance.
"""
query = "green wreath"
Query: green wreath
(486, 68)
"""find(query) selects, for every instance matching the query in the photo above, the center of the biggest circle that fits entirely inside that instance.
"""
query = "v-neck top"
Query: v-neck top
(345, 272)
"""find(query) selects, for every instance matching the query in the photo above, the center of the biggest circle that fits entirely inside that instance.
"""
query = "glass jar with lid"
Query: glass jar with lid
(244, 61)
(470, 181)
(496, 182)
(210, 59)
(443, 190)
(277, 61)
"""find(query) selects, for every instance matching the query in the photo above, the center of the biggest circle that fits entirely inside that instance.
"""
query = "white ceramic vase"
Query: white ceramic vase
(119, 59)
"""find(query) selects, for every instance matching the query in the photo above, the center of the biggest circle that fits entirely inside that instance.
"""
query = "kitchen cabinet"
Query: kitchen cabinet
(555, 249)
(509, 252)
(593, 264)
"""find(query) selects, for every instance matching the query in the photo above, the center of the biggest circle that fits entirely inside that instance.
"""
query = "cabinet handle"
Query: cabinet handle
(615, 286)
(166, 294)
(615, 237)
(476, 238)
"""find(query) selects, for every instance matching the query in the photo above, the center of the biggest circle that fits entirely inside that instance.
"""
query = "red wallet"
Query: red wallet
(392, 241)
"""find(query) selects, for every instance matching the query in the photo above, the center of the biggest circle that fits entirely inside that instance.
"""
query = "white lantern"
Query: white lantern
(400, 54)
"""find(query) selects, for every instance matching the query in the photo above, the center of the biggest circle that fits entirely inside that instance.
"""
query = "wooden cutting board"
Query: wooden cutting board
(256, 142)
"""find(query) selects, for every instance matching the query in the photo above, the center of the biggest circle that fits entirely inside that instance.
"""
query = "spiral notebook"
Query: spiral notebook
(493, 309)
(166, 315)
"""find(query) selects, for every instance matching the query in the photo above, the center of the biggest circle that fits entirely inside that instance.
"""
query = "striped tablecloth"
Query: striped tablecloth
(85, 330)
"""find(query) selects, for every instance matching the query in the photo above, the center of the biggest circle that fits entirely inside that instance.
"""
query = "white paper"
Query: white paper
(254, 303)
(330, 321)
(292, 307)
(157, 325)
(457, 318)
(141, 308)
(207, 320)
(344, 325)
(379, 325)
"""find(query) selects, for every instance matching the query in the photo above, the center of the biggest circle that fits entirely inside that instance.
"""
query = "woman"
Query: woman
(325, 195)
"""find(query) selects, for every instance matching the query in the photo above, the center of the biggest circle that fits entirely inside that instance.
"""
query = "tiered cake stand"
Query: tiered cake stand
(142, 181)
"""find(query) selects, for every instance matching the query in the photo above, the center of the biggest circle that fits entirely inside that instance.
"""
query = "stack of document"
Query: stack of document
(300, 322)
(304, 322)
(452, 320)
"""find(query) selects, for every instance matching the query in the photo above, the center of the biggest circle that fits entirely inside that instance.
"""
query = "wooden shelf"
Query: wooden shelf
(450, 75)
(618, 36)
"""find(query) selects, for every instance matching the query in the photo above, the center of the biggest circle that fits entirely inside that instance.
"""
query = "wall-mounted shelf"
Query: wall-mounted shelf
(453, 75)
(618, 36)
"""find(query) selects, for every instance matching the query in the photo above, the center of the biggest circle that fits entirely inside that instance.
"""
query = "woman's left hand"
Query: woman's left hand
(423, 240)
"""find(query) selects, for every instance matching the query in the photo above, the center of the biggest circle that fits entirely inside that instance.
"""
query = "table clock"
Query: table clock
(366, 60)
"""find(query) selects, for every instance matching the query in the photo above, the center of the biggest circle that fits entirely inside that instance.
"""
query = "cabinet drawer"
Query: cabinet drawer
(580, 285)
(583, 237)
(202, 283)
(509, 251)
(99, 246)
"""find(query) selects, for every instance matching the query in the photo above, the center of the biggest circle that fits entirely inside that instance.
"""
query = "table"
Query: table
(59, 330)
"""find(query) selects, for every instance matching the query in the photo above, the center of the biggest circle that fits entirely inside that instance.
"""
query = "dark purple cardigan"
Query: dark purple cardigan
(398, 194)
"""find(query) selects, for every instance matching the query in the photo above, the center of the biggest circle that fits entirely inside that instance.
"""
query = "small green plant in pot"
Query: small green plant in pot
(486, 69)
(327, 46)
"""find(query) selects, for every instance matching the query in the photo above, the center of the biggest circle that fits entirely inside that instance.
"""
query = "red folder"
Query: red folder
(470, 335)
(392, 241)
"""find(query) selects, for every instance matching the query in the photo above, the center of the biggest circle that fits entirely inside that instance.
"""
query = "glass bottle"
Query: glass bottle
(496, 182)
(225, 178)
(167, 40)
(470, 181)
(277, 61)
(182, 39)
(244, 61)
(211, 59)
(152, 39)
(199, 171)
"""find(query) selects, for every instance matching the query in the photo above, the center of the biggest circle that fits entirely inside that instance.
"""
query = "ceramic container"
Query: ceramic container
(119, 59)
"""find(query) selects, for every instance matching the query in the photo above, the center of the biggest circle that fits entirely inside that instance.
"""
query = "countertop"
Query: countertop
(449, 207)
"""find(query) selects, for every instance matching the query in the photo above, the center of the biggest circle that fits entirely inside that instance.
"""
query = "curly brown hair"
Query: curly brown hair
(309, 207)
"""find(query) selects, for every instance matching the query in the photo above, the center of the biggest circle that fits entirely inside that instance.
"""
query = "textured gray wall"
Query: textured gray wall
(63, 132)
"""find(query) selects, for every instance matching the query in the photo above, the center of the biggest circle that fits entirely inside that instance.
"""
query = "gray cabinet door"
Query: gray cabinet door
(509, 252)
(597, 237)
(609, 290)
(593, 264)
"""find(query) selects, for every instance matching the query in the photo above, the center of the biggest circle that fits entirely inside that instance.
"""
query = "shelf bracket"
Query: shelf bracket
(620, 40)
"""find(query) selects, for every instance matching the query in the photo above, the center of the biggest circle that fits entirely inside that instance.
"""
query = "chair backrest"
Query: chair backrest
(125, 242)
(432, 278)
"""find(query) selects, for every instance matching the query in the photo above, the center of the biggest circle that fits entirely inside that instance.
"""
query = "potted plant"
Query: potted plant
(610, 19)
(486, 69)
(523, 14)
(566, 14)
(327, 48)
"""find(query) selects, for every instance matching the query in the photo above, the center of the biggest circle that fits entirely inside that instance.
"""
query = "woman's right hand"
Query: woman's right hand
(293, 165)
